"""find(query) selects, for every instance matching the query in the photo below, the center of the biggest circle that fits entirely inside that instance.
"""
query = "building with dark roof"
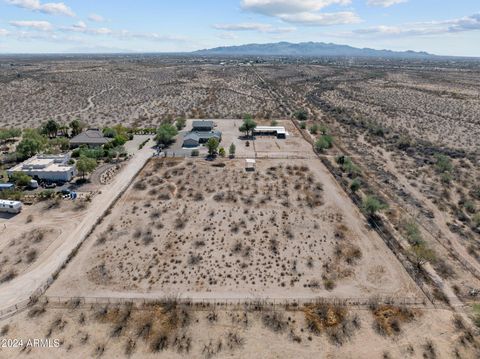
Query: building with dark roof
(203, 126)
(194, 139)
(92, 137)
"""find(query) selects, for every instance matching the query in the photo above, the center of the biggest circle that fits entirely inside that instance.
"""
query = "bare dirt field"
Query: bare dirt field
(203, 229)
(194, 228)
(34, 234)
(177, 331)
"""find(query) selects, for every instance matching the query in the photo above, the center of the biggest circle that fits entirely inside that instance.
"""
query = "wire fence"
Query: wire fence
(232, 302)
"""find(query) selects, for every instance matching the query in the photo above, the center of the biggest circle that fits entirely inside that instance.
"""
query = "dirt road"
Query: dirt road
(21, 288)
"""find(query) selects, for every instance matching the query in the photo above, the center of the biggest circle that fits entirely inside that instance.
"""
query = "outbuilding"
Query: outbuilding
(92, 137)
(191, 139)
(250, 164)
(13, 207)
(203, 126)
(194, 139)
(54, 168)
(278, 131)
(6, 186)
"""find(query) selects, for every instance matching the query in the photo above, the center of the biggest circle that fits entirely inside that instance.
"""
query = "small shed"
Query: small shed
(250, 164)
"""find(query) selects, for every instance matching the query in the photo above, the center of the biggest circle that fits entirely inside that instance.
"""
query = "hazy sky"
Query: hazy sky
(445, 27)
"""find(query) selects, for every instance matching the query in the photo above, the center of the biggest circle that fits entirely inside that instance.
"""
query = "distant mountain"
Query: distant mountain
(309, 49)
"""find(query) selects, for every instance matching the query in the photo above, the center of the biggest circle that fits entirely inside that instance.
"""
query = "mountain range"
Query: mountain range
(309, 49)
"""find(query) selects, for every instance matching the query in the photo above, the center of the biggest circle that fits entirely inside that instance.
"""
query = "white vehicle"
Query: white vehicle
(13, 207)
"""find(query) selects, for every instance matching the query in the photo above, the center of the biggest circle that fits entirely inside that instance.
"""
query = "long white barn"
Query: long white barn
(278, 131)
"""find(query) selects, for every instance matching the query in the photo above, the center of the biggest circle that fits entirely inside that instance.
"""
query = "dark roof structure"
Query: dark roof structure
(201, 136)
(203, 124)
(91, 136)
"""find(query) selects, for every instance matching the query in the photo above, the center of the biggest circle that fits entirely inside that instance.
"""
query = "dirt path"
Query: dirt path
(21, 288)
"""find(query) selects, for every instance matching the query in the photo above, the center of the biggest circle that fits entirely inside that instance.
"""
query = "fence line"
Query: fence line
(207, 302)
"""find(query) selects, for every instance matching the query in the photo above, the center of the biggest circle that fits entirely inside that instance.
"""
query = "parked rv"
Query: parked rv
(13, 207)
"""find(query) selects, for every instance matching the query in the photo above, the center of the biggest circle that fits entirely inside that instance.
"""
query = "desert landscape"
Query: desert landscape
(357, 236)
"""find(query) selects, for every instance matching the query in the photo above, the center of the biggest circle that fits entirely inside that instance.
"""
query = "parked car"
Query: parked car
(50, 185)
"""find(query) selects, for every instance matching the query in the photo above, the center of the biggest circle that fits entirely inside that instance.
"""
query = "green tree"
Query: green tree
(32, 143)
(109, 132)
(212, 145)
(180, 123)
(77, 127)
(9, 133)
(86, 165)
(301, 115)
(119, 140)
(231, 150)
(221, 152)
(165, 134)
(51, 128)
(248, 125)
(20, 179)
(371, 205)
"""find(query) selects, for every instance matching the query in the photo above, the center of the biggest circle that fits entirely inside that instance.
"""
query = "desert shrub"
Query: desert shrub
(195, 153)
(180, 123)
(8, 276)
(388, 319)
(31, 256)
(476, 220)
(301, 115)
(4, 330)
(355, 185)
(194, 259)
(36, 311)
(323, 143)
(412, 233)
(332, 320)
(371, 205)
(274, 321)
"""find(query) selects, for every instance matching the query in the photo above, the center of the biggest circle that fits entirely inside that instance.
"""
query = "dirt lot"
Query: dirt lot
(178, 332)
(32, 235)
(188, 227)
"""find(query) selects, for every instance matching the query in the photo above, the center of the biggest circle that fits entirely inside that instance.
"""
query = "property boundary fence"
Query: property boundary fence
(244, 302)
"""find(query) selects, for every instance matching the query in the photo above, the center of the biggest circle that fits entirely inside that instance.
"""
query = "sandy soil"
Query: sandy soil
(218, 333)
(22, 287)
(190, 228)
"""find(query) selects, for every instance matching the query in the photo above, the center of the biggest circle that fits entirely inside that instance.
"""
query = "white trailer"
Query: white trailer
(13, 207)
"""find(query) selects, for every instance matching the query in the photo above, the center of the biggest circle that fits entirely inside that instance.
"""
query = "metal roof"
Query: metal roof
(90, 136)
(277, 129)
(203, 123)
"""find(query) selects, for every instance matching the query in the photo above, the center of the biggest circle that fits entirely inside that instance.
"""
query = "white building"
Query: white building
(53, 168)
(278, 131)
(13, 207)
